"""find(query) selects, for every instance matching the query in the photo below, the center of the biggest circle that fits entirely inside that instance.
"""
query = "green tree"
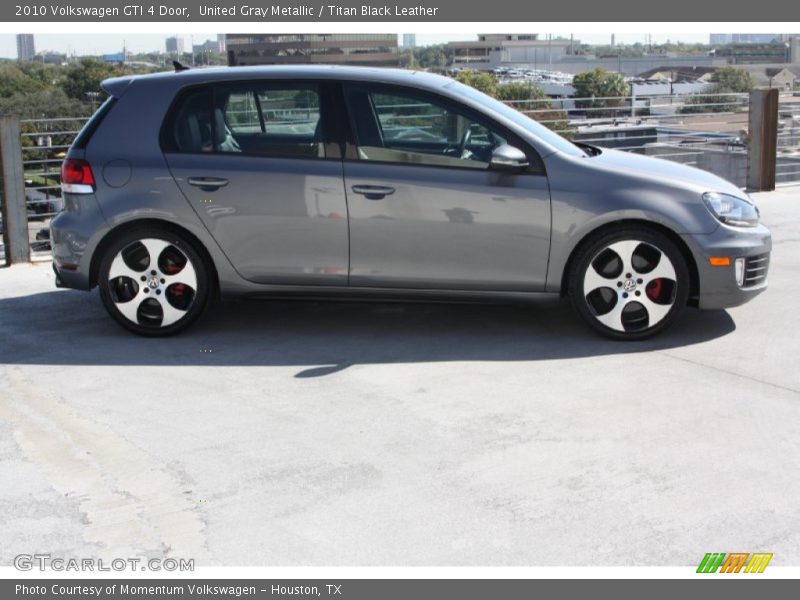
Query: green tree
(44, 74)
(600, 89)
(47, 103)
(15, 81)
(85, 76)
(531, 101)
(436, 56)
(208, 57)
(733, 80)
(483, 82)
(519, 91)
(727, 81)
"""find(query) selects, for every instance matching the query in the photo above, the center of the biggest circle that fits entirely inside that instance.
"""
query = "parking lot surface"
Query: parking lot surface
(306, 433)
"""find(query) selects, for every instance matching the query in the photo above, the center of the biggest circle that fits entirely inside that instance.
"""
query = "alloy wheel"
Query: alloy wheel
(152, 283)
(630, 285)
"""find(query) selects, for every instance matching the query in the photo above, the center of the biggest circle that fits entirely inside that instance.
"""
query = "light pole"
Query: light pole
(93, 96)
(671, 89)
(633, 100)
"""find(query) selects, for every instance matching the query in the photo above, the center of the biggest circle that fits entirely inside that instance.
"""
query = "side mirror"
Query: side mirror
(508, 158)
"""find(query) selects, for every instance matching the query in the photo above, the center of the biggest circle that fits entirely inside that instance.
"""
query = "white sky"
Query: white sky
(95, 44)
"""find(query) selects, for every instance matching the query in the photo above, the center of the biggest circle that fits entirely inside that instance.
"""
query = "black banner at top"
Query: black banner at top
(477, 11)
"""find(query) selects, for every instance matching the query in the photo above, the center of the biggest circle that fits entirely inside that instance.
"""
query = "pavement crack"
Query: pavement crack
(729, 372)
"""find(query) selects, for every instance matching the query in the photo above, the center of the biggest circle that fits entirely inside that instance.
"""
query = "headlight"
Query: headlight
(731, 210)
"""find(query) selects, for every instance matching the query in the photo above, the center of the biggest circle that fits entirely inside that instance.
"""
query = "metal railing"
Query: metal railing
(43, 145)
(708, 131)
(787, 168)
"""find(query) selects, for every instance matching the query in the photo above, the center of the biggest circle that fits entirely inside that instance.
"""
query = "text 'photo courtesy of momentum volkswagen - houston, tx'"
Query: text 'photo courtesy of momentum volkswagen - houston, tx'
(358, 182)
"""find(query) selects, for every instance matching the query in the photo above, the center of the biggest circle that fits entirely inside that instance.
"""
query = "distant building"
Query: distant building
(51, 58)
(209, 46)
(794, 50)
(748, 38)
(782, 77)
(174, 45)
(774, 77)
(752, 52)
(369, 49)
(505, 49)
(221, 42)
(409, 40)
(26, 48)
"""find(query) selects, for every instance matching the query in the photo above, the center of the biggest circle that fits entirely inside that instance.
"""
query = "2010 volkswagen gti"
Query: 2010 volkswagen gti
(334, 181)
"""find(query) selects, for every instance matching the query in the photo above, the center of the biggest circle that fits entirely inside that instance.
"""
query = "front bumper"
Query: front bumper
(717, 285)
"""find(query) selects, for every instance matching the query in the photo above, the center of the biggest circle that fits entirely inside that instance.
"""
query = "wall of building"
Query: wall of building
(275, 49)
(527, 54)
(794, 50)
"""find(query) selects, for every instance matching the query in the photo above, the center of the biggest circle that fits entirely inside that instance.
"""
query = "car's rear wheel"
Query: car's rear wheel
(153, 282)
(629, 284)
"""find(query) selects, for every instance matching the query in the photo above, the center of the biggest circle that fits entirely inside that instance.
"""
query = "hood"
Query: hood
(663, 170)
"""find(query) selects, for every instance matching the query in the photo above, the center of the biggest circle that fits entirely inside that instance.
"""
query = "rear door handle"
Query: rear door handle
(373, 192)
(207, 183)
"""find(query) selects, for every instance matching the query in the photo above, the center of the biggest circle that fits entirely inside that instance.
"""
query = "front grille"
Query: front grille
(755, 270)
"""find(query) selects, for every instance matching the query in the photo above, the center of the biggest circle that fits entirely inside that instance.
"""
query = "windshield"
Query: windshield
(540, 131)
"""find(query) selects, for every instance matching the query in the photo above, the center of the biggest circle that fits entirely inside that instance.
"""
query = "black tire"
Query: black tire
(147, 323)
(666, 307)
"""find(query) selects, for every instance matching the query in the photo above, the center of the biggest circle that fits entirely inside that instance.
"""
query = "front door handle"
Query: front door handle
(373, 192)
(208, 184)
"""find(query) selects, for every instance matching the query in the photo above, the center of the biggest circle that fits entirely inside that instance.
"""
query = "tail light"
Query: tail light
(77, 177)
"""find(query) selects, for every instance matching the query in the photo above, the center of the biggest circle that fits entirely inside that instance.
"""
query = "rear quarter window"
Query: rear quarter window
(93, 123)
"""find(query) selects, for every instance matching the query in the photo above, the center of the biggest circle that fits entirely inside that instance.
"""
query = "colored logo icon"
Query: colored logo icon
(734, 562)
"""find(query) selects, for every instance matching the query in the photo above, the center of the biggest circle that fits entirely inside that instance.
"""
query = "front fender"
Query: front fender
(589, 195)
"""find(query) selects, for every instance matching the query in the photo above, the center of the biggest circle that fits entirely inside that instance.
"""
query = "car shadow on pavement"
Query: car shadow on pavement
(72, 328)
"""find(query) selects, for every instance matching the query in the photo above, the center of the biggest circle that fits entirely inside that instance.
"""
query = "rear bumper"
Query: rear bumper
(718, 286)
(75, 280)
(73, 234)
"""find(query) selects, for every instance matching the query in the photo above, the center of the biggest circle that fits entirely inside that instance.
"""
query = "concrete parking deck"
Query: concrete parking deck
(383, 434)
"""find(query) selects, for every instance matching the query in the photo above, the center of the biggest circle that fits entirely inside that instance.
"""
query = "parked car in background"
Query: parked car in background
(42, 204)
(336, 181)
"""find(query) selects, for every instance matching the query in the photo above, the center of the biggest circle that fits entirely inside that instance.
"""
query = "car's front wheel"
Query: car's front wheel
(629, 284)
(153, 282)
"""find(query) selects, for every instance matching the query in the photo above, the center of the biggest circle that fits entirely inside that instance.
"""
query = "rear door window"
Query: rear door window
(279, 120)
(270, 119)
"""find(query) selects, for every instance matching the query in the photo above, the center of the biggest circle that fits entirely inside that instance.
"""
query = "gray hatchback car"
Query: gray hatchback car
(355, 182)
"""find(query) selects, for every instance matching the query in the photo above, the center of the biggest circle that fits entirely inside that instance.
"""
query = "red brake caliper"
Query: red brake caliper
(171, 268)
(653, 290)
